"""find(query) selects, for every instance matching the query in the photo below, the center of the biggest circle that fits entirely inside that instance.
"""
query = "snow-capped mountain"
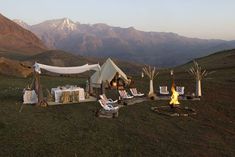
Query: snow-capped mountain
(52, 31)
(64, 24)
(67, 24)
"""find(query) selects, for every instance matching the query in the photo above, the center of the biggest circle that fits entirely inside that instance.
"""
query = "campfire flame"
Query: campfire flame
(174, 97)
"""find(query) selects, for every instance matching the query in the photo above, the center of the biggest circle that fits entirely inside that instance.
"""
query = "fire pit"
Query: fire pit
(175, 111)
(174, 108)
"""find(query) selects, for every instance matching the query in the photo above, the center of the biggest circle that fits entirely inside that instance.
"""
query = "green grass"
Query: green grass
(73, 129)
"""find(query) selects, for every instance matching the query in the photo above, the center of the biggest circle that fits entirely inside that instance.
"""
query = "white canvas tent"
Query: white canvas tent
(108, 71)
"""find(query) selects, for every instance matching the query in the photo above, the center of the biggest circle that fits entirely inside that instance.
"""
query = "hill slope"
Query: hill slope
(219, 60)
(14, 68)
(221, 64)
(15, 38)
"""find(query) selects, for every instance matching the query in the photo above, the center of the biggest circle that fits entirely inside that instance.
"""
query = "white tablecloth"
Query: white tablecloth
(57, 92)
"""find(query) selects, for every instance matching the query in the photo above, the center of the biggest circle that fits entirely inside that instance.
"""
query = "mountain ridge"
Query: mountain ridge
(101, 40)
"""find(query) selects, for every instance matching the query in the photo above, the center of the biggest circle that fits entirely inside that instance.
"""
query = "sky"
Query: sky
(207, 19)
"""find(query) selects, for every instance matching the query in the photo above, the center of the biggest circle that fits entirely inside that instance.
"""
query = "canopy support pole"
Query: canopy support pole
(38, 90)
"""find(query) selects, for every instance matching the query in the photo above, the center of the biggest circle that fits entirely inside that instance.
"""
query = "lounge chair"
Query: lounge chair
(180, 90)
(107, 106)
(124, 95)
(134, 92)
(163, 90)
(111, 101)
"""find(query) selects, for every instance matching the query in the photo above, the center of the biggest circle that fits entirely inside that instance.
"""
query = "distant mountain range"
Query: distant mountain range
(101, 40)
(20, 48)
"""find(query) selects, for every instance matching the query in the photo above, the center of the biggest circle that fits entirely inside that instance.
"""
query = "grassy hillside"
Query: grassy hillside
(73, 129)
(219, 60)
(14, 68)
(13, 55)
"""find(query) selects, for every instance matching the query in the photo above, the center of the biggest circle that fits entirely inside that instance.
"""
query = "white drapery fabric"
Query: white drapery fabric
(66, 70)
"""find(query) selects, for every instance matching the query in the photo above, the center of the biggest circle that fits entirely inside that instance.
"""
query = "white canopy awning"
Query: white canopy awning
(66, 70)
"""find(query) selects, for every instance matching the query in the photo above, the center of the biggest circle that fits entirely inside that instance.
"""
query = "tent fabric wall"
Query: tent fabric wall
(107, 73)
